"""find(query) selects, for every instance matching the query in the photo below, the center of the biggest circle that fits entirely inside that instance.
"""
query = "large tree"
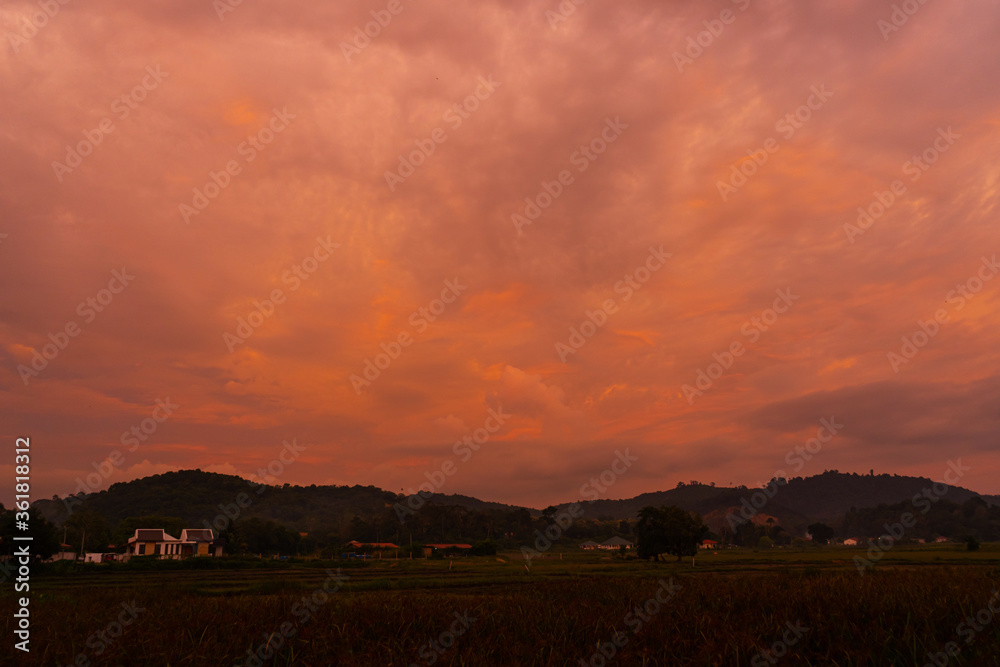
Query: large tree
(88, 529)
(668, 530)
(44, 541)
(821, 533)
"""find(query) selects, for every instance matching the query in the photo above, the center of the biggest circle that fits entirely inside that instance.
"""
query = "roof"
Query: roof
(197, 535)
(617, 542)
(377, 545)
(588, 543)
(709, 542)
(448, 546)
(151, 535)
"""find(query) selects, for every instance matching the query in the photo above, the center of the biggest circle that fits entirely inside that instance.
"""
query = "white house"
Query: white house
(851, 542)
(157, 542)
(615, 543)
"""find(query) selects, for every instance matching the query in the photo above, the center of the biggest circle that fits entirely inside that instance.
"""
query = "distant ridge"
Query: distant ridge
(196, 496)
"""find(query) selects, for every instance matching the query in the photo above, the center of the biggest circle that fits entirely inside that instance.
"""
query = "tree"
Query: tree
(89, 529)
(44, 540)
(821, 532)
(668, 530)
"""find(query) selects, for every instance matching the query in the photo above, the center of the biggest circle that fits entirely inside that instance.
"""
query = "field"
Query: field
(738, 607)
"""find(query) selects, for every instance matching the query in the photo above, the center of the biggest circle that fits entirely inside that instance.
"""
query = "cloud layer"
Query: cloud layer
(630, 226)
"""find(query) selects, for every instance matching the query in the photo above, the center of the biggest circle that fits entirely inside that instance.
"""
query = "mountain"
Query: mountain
(196, 497)
(794, 504)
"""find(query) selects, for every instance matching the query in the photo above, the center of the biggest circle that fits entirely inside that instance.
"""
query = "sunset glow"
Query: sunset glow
(688, 230)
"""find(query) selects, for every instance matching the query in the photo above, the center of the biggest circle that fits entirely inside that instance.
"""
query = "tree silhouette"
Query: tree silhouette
(668, 530)
(821, 532)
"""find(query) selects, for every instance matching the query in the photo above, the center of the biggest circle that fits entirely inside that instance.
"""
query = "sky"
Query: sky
(676, 235)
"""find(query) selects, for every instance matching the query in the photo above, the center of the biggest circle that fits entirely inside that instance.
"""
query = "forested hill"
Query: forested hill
(196, 496)
(826, 497)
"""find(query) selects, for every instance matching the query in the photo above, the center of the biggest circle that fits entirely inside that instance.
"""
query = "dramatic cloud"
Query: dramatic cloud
(687, 229)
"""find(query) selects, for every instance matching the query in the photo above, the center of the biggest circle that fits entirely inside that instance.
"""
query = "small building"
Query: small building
(372, 545)
(941, 538)
(615, 543)
(589, 545)
(431, 548)
(851, 542)
(709, 544)
(65, 553)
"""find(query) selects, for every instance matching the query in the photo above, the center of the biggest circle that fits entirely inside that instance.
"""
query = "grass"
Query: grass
(730, 606)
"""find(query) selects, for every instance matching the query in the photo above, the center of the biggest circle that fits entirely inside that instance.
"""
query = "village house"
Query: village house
(708, 544)
(851, 542)
(615, 543)
(65, 553)
(157, 542)
(371, 545)
(431, 548)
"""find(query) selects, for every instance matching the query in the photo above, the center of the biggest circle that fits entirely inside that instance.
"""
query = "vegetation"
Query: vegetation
(44, 541)
(821, 533)
(729, 609)
(293, 520)
(668, 530)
